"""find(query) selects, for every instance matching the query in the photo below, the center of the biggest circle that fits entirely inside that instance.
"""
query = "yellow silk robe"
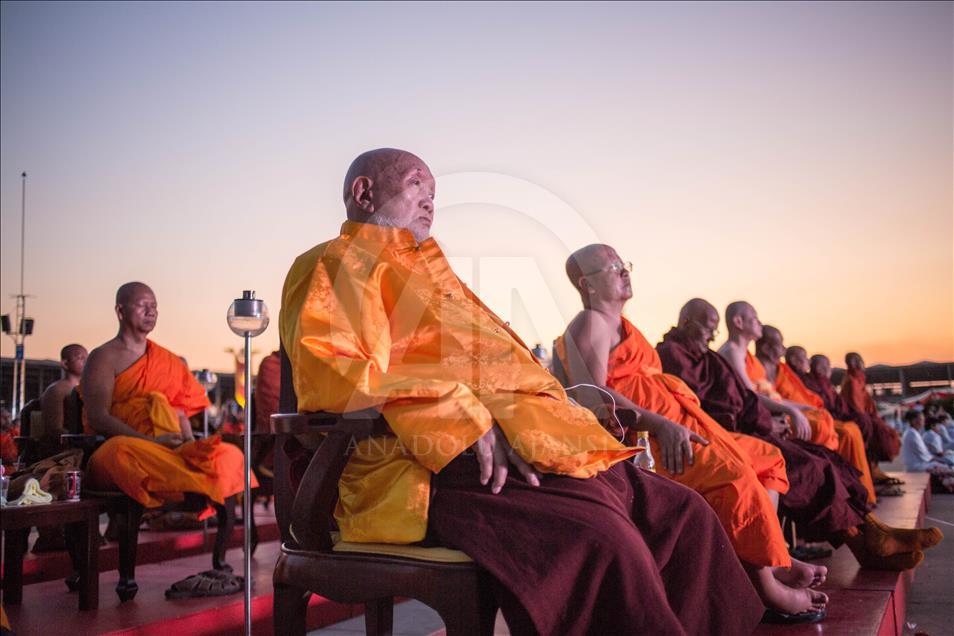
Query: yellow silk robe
(373, 319)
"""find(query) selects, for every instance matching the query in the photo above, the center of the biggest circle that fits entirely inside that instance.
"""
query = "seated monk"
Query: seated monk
(489, 456)
(769, 350)
(738, 475)
(817, 379)
(887, 440)
(880, 441)
(140, 396)
(826, 497)
(744, 327)
(72, 359)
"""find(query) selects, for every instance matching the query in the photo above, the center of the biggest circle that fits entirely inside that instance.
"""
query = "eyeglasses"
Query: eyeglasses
(617, 268)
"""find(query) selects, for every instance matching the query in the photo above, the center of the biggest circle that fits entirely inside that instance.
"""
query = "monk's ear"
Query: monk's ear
(363, 194)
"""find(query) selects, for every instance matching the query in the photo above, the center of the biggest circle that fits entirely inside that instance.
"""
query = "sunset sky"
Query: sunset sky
(795, 155)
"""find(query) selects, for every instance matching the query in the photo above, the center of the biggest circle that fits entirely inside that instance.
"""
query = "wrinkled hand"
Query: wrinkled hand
(170, 440)
(803, 429)
(780, 425)
(675, 441)
(494, 455)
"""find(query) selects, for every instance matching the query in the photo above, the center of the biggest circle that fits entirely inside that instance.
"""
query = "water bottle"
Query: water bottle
(644, 459)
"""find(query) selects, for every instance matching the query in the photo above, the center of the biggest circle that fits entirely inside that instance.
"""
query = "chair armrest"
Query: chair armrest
(314, 503)
(84, 441)
(364, 423)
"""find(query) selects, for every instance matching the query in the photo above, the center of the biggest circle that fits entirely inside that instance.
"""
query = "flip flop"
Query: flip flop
(805, 553)
(208, 583)
(775, 617)
(889, 481)
(889, 491)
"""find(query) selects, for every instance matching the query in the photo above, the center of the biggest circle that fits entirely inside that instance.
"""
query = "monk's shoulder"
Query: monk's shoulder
(589, 327)
(58, 390)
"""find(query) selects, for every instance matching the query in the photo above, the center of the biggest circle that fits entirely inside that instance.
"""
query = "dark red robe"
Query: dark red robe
(825, 494)
(880, 439)
(624, 552)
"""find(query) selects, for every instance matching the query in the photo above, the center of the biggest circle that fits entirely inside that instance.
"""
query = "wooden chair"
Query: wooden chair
(127, 512)
(311, 561)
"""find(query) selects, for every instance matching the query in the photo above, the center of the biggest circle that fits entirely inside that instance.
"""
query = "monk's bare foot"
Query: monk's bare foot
(784, 598)
(883, 540)
(801, 574)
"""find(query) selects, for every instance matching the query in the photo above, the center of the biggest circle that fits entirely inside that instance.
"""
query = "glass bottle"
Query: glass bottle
(645, 458)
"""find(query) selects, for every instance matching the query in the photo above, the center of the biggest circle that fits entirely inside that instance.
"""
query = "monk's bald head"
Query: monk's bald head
(590, 270)
(128, 291)
(820, 365)
(770, 346)
(698, 323)
(697, 309)
(854, 361)
(136, 308)
(391, 188)
(742, 319)
(797, 358)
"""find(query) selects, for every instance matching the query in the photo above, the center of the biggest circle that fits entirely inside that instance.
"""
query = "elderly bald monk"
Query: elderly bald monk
(734, 472)
(769, 350)
(887, 440)
(826, 497)
(489, 456)
(140, 397)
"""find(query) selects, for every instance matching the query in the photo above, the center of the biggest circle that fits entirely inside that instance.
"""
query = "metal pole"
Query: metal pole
(22, 226)
(247, 507)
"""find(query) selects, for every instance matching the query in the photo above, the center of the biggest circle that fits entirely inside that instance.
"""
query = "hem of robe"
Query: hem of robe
(153, 474)
(851, 448)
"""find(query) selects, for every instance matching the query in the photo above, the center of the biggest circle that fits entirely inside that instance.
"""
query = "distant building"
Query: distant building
(42, 373)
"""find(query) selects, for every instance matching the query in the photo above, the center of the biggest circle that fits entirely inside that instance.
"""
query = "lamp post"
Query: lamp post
(21, 326)
(248, 317)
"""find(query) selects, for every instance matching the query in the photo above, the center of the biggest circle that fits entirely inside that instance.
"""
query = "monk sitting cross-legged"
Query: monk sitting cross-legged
(140, 396)
(735, 473)
(826, 497)
(578, 540)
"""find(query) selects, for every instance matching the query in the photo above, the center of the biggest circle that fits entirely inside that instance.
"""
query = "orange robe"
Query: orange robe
(146, 397)
(371, 319)
(851, 444)
(821, 421)
(854, 391)
(732, 472)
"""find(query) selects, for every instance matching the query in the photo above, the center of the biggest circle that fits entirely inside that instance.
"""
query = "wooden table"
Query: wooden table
(81, 521)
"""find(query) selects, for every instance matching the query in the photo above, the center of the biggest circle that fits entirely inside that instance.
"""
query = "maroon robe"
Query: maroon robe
(625, 552)
(825, 494)
(881, 444)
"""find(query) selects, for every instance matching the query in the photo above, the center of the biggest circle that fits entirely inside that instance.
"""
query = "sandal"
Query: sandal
(809, 553)
(208, 583)
(889, 491)
(775, 617)
(889, 481)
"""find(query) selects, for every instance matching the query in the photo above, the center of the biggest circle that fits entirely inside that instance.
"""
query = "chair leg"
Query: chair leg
(469, 610)
(226, 516)
(251, 516)
(14, 547)
(289, 606)
(128, 519)
(379, 616)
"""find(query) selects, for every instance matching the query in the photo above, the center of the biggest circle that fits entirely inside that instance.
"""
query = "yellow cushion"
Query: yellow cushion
(440, 555)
